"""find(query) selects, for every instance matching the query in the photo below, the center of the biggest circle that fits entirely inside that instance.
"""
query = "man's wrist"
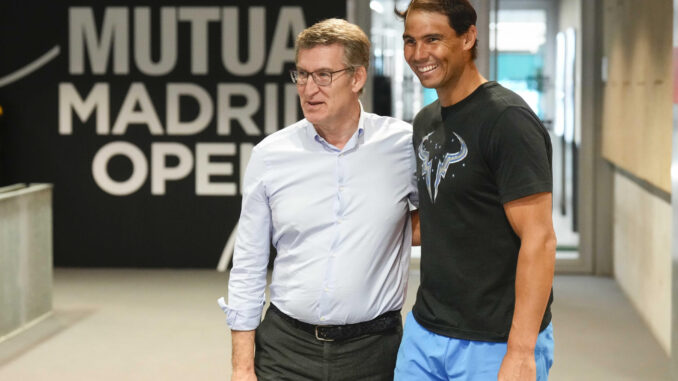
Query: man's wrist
(521, 344)
(520, 348)
(243, 367)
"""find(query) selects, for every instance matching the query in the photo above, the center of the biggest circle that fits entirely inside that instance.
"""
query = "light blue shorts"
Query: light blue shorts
(424, 355)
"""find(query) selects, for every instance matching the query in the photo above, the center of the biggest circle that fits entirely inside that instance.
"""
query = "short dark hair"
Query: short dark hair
(460, 15)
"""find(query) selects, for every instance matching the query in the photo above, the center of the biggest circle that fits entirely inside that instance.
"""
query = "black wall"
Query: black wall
(101, 216)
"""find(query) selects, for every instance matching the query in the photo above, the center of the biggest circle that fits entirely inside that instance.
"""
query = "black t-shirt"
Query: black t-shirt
(489, 150)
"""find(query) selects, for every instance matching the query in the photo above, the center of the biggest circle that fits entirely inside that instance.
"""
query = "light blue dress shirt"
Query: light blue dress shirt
(339, 220)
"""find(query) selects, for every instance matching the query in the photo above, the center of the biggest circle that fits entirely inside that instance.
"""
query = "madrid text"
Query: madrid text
(109, 45)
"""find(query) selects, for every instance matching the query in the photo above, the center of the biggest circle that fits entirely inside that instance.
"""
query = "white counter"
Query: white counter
(25, 256)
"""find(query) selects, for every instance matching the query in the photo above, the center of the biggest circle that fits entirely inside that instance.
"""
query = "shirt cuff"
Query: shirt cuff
(243, 319)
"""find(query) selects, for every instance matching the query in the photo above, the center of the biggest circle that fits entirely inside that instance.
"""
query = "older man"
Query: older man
(331, 193)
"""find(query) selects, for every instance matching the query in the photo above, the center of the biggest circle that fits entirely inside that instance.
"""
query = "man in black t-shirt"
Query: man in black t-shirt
(488, 246)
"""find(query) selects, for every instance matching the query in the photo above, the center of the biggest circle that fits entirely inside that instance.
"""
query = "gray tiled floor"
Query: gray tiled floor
(165, 325)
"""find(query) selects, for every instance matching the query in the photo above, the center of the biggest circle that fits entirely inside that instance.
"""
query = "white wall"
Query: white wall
(641, 209)
(642, 254)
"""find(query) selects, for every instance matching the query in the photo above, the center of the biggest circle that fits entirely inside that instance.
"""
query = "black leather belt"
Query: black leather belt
(381, 323)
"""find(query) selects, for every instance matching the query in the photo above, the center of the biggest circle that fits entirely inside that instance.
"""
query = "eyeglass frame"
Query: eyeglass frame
(294, 75)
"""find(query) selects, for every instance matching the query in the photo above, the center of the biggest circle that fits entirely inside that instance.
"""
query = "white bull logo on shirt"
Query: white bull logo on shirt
(443, 163)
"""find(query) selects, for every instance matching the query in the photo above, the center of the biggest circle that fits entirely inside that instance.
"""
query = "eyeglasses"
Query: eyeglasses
(320, 77)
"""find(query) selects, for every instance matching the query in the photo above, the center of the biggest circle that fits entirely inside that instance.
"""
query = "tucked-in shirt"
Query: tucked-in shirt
(338, 218)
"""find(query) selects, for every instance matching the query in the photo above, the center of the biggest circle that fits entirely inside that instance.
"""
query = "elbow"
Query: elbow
(540, 246)
(551, 243)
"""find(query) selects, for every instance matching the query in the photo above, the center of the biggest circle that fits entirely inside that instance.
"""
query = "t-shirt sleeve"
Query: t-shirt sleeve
(519, 155)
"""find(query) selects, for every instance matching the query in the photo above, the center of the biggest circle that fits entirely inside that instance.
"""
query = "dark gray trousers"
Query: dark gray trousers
(284, 352)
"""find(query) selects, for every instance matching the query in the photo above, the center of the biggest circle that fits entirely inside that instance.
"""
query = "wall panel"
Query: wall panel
(642, 265)
(637, 116)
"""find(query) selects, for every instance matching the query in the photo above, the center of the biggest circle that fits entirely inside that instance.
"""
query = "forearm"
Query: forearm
(243, 351)
(416, 231)
(534, 279)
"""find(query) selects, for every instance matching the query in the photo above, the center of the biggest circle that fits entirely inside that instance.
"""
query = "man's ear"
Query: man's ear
(470, 37)
(359, 79)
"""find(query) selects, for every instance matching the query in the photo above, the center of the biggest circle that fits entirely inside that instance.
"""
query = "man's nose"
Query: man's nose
(311, 87)
(420, 52)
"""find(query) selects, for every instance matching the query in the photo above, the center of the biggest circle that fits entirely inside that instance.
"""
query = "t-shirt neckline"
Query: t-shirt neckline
(445, 111)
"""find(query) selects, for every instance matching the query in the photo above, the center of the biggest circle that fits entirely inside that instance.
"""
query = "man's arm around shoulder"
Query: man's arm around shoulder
(416, 229)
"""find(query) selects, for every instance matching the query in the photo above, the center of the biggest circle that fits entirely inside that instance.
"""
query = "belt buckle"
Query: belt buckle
(320, 338)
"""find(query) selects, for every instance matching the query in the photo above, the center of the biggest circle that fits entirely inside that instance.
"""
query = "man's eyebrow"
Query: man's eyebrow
(435, 35)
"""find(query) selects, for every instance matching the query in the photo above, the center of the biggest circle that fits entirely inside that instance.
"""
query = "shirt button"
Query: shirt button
(322, 318)
(341, 189)
(327, 289)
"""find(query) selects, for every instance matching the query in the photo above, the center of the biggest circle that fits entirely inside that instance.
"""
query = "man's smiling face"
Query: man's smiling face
(433, 49)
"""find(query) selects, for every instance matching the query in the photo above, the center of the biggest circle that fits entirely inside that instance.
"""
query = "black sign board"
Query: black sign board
(143, 116)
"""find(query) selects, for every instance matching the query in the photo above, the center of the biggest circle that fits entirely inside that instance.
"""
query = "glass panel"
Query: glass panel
(521, 40)
(397, 91)
(523, 58)
(521, 47)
